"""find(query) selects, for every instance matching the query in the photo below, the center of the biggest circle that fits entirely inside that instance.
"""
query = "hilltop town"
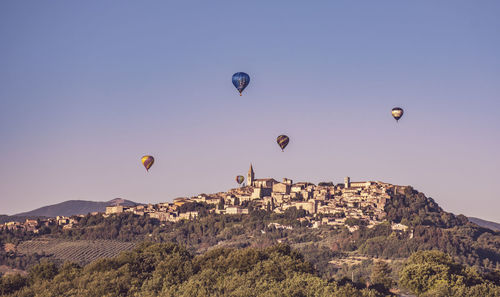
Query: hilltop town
(324, 204)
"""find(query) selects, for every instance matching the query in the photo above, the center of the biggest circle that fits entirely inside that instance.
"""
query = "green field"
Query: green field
(79, 251)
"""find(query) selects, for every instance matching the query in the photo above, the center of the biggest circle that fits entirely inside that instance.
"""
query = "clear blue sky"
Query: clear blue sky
(88, 87)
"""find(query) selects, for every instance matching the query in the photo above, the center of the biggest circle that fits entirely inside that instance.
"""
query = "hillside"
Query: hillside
(486, 224)
(74, 207)
(406, 223)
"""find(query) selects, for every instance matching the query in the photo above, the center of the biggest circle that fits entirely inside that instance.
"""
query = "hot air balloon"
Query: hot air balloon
(241, 81)
(240, 179)
(147, 161)
(282, 141)
(397, 113)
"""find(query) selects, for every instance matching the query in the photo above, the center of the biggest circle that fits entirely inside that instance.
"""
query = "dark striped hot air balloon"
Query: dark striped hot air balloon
(241, 81)
(397, 113)
(282, 141)
(147, 161)
(240, 179)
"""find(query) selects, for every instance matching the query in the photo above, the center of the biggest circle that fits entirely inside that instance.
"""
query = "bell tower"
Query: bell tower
(347, 182)
(251, 176)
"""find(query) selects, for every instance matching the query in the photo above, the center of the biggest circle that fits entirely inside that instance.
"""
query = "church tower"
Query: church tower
(347, 182)
(251, 176)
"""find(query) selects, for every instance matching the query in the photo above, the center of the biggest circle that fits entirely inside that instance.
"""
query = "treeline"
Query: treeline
(19, 261)
(170, 270)
(471, 245)
(435, 274)
(12, 258)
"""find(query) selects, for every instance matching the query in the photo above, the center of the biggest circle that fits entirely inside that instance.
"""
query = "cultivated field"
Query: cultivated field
(79, 251)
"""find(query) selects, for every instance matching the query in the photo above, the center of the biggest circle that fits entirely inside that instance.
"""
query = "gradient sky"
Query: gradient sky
(88, 87)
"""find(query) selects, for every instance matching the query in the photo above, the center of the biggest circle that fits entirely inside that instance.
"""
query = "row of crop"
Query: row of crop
(76, 251)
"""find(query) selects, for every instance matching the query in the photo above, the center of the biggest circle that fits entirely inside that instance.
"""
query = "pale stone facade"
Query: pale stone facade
(115, 209)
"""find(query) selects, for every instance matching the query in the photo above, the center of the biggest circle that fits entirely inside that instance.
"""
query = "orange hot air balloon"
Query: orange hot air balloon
(147, 161)
(240, 179)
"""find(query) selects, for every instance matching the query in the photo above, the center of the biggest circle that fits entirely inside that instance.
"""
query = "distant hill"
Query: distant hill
(486, 224)
(74, 207)
(7, 218)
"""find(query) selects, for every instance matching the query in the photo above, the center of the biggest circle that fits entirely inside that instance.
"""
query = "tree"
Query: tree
(381, 274)
(424, 270)
(353, 222)
(434, 273)
(44, 271)
(292, 213)
(11, 283)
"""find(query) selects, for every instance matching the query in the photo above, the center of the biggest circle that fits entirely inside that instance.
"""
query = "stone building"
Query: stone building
(264, 182)
(261, 192)
(236, 210)
(349, 184)
(282, 188)
(115, 209)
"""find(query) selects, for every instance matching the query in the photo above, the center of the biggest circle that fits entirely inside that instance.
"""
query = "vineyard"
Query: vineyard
(79, 251)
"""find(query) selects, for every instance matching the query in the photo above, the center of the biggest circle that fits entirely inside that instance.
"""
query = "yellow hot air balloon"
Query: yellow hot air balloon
(147, 161)
(397, 113)
(240, 179)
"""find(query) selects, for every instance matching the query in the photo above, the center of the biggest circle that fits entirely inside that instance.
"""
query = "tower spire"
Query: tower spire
(251, 176)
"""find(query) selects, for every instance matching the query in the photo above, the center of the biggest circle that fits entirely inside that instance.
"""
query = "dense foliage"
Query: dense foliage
(434, 273)
(413, 208)
(170, 270)
(381, 274)
(434, 228)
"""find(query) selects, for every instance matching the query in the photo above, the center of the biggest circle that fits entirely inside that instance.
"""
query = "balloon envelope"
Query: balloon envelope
(241, 81)
(282, 141)
(397, 113)
(240, 179)
(147, 161)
